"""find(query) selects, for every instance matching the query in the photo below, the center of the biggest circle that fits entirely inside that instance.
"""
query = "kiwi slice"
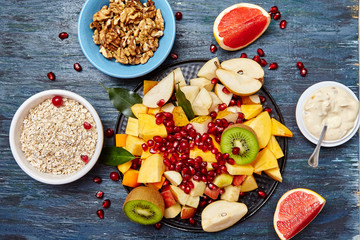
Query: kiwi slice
(243, 137)
(144, 205)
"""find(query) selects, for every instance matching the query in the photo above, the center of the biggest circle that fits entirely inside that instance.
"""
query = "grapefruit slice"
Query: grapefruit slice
(295, 210)
(239, 25)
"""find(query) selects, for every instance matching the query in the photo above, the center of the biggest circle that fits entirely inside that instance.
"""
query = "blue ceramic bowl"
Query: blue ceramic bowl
(116, 69)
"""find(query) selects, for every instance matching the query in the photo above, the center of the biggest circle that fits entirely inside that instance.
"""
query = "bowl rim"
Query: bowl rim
(165, 51)
(300, 107)
(28, 168)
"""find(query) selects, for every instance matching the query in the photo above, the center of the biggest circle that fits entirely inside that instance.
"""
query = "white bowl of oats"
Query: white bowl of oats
(56, 136)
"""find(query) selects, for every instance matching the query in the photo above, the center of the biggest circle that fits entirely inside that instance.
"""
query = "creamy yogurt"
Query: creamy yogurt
(331, 105)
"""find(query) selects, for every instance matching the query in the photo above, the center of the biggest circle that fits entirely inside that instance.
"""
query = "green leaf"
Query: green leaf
(123, 99)
(114, 156)
(184, 103)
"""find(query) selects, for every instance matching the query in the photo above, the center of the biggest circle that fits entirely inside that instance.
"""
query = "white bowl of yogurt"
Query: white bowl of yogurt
(329, 102)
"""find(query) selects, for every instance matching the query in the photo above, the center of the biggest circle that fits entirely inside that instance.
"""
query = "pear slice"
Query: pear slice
(222, 214)
(215, 101)
(202, 83)
(241, 76)
(202, 103)
(190, 92)
(163, 90)
(179, 78)
(208, 69)
(225, 98)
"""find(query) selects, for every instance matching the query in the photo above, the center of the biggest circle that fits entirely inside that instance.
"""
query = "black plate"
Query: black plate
(265, 183)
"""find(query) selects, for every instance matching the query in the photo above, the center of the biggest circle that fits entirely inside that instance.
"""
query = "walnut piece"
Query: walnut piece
(128, 30)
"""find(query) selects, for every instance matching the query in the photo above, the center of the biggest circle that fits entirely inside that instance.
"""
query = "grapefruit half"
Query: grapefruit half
(295, 210)
(239, 25)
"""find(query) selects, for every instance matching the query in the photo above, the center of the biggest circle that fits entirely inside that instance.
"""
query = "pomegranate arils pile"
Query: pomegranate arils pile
(276, 15)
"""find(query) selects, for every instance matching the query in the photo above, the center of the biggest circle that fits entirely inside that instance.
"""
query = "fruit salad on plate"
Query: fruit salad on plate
(195, 144)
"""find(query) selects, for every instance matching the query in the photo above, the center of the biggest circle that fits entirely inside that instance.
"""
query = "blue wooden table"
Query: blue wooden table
(323, 34)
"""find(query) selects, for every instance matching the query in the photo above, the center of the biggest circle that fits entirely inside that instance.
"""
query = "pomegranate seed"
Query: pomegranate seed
(213, 115)
(231, 161)
(225, 156)
(277, 16)
(214, 81)
(303, 72)
(241, 115)
(238, 103)
(192, 221)
(150, 143)
(274, 9)
(262, 99)
(157, 139)
(222, 191)
(85, 158)
(213, 48)
(225, 90)
(273, 66)
(256, 58)
(158, 225)
(106, 203)
(109, 132)
(260, 52)
(57, 101)
(222, 106)
(242, 194)
(174, 56)
(263, 62)
(232, 102)
(300, 65)
(159, 121)
(100, 213)
(243, 55)
(269, 110)
(235, 150)
(178, 15)
(97, 180)
(283, 24)
(63, 35)
(51, 76)
(77, 67)
(87, 125)
(114, 176)
(203, 203)
(262, 194)
(161, 102)
(99, 194)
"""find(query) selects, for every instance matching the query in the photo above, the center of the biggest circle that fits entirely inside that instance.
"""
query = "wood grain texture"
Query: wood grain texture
(323, 34)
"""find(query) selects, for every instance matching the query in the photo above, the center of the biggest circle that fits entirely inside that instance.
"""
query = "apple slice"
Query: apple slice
(216, 101)
(224, 97)
(168, 198)
(193, 201)
(212, 193)
(202, 83)
(208, 69)
(241, 76)
(190, 92)
(202, 103)
(180, 196)
(174, 177)
(199, 188)
(162, 91)
(172, 211)
(231, 193)
(222, 214)
(179, 78)
(187, 212)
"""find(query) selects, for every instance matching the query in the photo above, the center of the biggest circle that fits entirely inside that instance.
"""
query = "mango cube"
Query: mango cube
(151, 169)
(138, 108)
(148, 127)
(132, 127)
(133, 145)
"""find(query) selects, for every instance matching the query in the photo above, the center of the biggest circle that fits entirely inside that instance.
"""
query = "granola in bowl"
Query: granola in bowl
(128, 30)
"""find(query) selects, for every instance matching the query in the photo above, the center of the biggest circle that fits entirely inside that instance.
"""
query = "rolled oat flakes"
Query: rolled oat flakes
(54, 138)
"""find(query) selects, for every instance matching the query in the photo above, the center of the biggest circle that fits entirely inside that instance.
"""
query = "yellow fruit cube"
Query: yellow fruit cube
(132, 127)
(145, 154)
(133, 145)
(249, 184)
(274, 174)
(138, 108)
(120, 140)
(151, 169)
(251, 111)
(237, 169)
(206, 156)
(264, 160)
(124, 167)
(148, 84)
(180, 117)
(275, 148)
(279, 129)
(228, 115)
(154, 111)
(148, 127)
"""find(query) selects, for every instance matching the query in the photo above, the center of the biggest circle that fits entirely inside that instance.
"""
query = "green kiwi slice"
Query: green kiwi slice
(144, 205)
(243, 137)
